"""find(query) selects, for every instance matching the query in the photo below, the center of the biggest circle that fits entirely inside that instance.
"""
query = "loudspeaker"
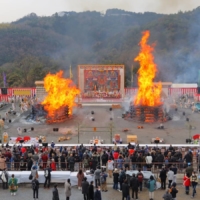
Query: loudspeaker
(4, 91)
(198, 90)
(188, 140)
(45, 144)
(156, 141)
(21, 141)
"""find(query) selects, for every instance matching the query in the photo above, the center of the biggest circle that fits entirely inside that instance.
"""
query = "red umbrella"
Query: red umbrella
(196, 137)
(27, 138)
(18, 139)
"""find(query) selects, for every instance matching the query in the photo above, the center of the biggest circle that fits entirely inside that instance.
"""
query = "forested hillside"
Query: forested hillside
(32, 46)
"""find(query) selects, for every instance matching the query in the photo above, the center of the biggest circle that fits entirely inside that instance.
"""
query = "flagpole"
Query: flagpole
(70, 72)
(132, 76)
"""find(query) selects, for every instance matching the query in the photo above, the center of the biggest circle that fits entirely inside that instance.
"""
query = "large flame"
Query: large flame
(61, 92)
(148, 93)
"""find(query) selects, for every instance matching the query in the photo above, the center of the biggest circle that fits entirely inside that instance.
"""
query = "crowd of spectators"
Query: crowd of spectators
(89, 158)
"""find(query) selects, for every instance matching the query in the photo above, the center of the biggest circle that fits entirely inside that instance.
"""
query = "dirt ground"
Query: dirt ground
(175, 131)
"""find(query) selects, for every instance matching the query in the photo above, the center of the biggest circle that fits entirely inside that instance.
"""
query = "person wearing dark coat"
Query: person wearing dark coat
(47, 175)
(104, 158)
(125, 191)
(85, 186)
(35, 187)
(55, 193)
(134, 183)
(4, 179)
(163, 176)
(97, 194)
(167, 195)
(91, 191)
(115, 179)
(30, 163)
(62, 161)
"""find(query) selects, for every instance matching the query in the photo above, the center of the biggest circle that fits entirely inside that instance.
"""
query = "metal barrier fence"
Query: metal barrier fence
(155, 167)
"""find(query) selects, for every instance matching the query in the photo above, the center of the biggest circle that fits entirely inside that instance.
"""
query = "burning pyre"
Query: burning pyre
(147, 106)
(60, 99)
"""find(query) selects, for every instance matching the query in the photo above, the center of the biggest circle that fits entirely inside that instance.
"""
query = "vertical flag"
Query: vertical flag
(4, 80)
(70, 72)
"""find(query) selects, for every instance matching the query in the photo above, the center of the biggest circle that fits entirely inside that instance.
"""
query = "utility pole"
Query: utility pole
(1, 130)
(78, 132)
(111, 132)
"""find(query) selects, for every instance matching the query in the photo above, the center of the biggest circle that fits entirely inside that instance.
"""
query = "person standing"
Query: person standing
(174, 169)
(186, 183)
(13, 185)
(34, 171)
(104, 158)
(189, 169)
(97, 194)
(103, 178)
(85, 186)
(163, 176)
(125, 191)
(4, 178)
(53, 165)
(167, 195)
(134, 183)
(122, 177)
(47, 175)
(173, 191)
(97, 176)
(55, 193)
(110, 167)
(194, 182)
(2, 162)
(35, 187)
(91, 191)
(151, 186)
(140, 178)
(80, 177)
(67, 189)
(115, 179)
(170, 177)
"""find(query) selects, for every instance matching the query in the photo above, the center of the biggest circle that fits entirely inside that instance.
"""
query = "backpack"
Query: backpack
(102, 179)
(140, 177)
(34, 185)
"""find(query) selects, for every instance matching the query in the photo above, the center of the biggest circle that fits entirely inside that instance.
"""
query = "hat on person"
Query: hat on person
(115, 169)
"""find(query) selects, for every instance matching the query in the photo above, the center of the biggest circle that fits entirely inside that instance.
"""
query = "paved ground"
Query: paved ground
(25, 193)
(175, 132)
